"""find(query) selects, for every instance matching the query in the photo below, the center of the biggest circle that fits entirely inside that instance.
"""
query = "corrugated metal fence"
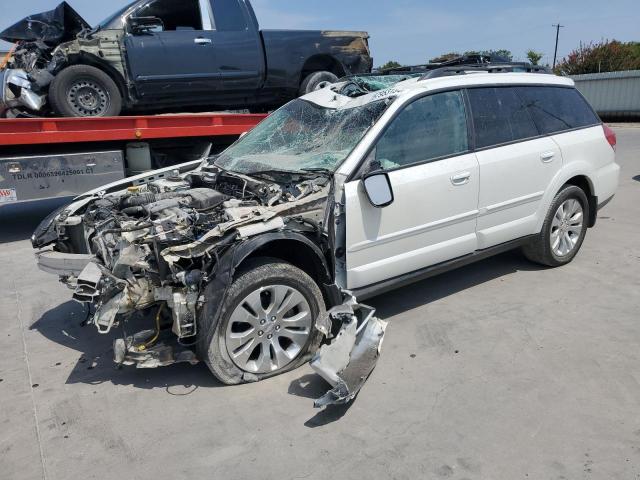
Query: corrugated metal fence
(612, 94)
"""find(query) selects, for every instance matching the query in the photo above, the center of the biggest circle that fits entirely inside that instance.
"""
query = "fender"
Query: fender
(218, 286)
(566, 173)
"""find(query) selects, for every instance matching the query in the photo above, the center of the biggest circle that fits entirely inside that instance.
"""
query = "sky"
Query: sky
(413, 31)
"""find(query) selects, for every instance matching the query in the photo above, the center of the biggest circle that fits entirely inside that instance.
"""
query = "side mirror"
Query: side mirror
(145, 24)
(378, 188)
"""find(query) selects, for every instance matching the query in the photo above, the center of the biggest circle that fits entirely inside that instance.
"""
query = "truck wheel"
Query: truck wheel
(266, 325)
(85, 91)
(316, 81)
(563, 230)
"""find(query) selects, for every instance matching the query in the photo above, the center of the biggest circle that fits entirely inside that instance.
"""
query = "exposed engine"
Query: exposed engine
(158, 244)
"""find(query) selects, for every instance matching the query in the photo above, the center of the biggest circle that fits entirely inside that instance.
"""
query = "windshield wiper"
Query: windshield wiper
(324, 171)
(304, 172)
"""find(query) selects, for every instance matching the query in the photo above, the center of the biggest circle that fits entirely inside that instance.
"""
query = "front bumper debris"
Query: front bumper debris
(16, 91)
(348, 361)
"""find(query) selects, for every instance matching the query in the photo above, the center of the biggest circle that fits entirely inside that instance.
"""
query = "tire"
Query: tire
(84, 91)
(547, 251)
(216, 347)
(315, 81)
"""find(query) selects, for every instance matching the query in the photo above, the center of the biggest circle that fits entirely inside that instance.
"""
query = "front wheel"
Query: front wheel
(563, 230)
(85, 91)
(266, 324)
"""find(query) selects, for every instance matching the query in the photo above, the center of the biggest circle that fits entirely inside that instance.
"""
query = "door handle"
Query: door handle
(547, 157)
(202, 41)
(461, 179)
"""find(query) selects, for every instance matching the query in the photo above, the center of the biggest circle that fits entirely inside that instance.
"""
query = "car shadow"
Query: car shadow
(64, 325)
(19, 221)
(444, 285)
(313, 386)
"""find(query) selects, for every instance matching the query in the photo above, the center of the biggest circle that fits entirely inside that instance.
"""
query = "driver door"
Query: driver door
(179, 60)
(435, 182)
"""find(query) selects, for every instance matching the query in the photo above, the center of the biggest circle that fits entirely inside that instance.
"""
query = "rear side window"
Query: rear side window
(228, 15)
(555, 109)
(427, 129)
(499, 116)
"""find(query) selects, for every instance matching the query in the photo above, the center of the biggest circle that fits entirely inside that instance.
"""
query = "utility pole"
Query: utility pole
(555, 54)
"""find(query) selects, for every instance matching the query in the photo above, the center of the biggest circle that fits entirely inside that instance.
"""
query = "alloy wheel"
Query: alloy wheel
(268, 329)
(566, 227)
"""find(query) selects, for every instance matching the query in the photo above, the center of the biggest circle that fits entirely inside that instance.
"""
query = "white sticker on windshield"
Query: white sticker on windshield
(8, 195)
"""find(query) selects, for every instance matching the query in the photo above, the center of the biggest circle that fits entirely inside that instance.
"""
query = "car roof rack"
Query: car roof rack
(520, 67)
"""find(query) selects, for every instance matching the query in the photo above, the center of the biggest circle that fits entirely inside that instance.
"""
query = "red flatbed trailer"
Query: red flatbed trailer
(53, 157)
(38, 131)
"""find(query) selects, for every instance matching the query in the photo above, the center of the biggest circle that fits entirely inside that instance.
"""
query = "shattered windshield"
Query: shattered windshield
(301, 136)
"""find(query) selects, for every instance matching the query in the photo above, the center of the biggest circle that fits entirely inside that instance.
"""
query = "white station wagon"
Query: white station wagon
(252, 260)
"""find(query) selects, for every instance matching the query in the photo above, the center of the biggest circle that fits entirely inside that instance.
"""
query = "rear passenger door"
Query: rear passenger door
(435, 181)
(517, 163)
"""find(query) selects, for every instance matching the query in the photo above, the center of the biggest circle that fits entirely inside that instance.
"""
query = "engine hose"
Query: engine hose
(154, 339)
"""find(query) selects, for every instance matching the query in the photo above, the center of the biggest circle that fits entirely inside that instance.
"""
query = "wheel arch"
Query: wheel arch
(91, 60)
(576, 173)
(299, 251)
(319, 63)
(583, 182)
(280, 245)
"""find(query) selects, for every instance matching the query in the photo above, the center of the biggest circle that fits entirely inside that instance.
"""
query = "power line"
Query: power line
(555, 52)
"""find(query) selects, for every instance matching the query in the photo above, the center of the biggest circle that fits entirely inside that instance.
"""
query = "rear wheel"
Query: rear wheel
(85, 91)
(266, 325)
(316, 81)
(563, 231)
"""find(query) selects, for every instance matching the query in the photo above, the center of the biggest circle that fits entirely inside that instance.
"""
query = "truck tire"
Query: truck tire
(266, 324)
(84, 91)
(316, 81)
(563, 231)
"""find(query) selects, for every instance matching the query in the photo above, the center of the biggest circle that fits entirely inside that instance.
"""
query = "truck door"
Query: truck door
(179, 59)
(238, 46)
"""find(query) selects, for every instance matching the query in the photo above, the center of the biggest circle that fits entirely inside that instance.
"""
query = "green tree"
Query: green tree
(445, 57)
(534, 57)
(389, 65)
(605, 56)
(502, 53)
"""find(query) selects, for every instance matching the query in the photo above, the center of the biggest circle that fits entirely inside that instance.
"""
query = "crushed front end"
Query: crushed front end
(157, 245)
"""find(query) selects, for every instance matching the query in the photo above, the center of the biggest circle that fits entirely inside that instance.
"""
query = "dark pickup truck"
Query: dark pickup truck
(162, 55)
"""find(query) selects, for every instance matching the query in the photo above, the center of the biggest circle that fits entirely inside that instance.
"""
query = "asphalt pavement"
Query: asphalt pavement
(499, 370)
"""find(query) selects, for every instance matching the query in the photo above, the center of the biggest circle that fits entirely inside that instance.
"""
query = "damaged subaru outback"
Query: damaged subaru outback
(254, 261)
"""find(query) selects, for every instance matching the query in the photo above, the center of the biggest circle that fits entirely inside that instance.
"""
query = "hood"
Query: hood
(53, 27)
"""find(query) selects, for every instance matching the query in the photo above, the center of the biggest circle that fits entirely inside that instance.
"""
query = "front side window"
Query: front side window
(429, 128)
(301, 135)
(182, 15)
(499, 116)
(228, 16)
(555, 109)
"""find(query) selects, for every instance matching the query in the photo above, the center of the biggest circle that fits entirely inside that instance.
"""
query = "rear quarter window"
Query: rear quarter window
(555, 109)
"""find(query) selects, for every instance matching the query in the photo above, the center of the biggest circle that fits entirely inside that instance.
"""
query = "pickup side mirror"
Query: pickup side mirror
(378, 189)
(145, 24)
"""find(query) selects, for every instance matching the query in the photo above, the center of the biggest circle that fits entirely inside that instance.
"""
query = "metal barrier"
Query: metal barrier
(614, 95)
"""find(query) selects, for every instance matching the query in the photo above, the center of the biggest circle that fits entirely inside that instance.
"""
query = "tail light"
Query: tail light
(610, 135)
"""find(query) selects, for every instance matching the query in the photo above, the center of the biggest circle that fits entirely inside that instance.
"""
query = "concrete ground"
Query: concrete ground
(500, 370)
